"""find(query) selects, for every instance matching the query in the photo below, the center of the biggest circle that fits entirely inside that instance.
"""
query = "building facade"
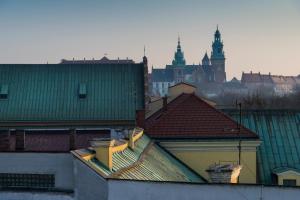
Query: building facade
(257, 83)
(209, 73)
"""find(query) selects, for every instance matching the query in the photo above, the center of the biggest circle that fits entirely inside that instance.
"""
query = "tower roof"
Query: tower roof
(217, 33)
(205, 58)
(179, 56)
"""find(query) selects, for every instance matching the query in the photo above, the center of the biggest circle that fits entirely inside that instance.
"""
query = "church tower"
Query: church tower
(218, 58)
(178, 56)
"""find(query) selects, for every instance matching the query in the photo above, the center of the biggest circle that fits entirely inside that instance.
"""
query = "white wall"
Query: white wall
(88, 184)
(175, 191)
(60, 164)
(34, 196)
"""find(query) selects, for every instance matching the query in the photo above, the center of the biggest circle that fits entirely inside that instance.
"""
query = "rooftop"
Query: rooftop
(147, 161)
(103, 60)
(71, 92)
(189, 117)
(279, 131)
(268, 78)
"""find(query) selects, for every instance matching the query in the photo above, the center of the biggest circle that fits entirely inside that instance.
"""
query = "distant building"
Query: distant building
(234, 87)
(209, 75)
(270, 84)
(103, 60)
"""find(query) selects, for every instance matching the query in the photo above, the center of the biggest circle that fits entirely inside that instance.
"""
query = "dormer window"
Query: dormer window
(3, 91)
(82, 91)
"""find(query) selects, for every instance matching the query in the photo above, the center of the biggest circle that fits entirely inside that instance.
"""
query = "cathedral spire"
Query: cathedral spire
(217, 46)
(179, 55)
(178, 44)
(205, 60)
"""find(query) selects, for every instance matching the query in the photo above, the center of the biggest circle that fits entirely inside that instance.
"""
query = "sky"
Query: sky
(259, 35)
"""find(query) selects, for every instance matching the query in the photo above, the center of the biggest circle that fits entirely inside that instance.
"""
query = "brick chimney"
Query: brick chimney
(224, 173)
(103, 148)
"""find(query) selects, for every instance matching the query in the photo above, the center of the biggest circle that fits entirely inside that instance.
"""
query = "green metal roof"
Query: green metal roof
(56, 92)
(279, 131)
(146, 162)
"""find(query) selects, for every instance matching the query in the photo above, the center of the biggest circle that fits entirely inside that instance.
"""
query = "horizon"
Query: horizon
(259, 36)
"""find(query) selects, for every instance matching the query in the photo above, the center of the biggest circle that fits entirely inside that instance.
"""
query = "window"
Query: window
(3, 91)
(27, 180)
(289, 182)
(82, 90)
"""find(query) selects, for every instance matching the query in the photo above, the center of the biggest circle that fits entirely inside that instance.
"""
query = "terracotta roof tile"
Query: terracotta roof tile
(188, 116)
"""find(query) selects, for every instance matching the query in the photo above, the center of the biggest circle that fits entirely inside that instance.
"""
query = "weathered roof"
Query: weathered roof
(279, 131)
(188, 116)
(256, 78)
(51, 92)
(146, 162)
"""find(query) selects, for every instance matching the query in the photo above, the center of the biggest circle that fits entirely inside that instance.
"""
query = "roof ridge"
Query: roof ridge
(225, 115)
(136, 163)
(164, 114)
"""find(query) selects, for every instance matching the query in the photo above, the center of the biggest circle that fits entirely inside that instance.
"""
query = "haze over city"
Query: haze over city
(262, 36)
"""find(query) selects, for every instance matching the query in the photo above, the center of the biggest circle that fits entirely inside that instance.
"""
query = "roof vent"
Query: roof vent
(82, 91)
(3, 91)
(224, 173)
(105, 148)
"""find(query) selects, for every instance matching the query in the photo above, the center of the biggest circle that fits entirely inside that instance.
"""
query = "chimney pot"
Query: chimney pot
(165, 103)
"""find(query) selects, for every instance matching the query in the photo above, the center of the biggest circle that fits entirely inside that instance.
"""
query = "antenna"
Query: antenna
(239, 124)
(144, 50)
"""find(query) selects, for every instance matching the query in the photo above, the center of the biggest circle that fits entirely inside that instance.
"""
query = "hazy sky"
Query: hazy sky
(259, 35)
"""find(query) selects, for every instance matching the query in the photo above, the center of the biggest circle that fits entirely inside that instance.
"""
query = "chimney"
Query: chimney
(224, 173)
(140, 118)
(134, 135)
(165, 103)
(72, 139)
(104, 151)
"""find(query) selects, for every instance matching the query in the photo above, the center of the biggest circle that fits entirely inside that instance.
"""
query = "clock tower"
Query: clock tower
(218, 58)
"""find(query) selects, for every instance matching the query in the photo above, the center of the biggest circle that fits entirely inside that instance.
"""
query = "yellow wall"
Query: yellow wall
(181, 88)
(199, 159)
(289, 175)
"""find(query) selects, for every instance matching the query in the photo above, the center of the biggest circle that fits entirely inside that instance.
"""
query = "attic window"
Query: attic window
(3, 91)
(82, 91)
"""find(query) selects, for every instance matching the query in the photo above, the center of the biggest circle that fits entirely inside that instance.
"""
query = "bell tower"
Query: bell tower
(178, 56)
(218, 58)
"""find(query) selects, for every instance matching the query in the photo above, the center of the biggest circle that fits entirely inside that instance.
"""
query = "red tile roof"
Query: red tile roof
(188, 116)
